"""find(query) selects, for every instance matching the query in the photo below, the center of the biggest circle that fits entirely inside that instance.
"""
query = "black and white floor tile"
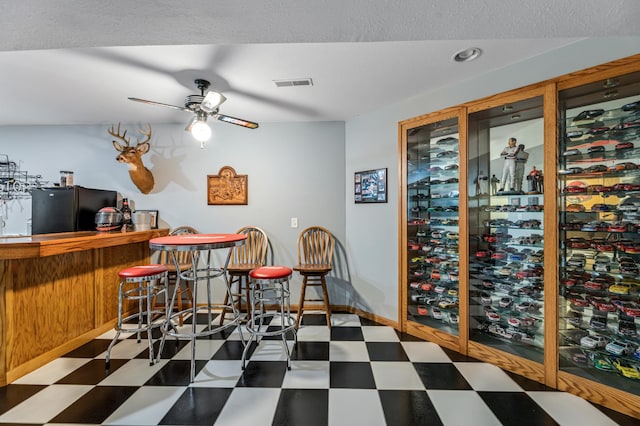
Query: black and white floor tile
(356, 373)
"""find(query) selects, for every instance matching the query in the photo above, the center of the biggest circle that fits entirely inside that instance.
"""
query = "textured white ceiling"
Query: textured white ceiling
(76, 62)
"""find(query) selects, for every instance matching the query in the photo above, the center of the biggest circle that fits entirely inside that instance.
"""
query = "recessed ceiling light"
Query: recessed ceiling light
(467, 55)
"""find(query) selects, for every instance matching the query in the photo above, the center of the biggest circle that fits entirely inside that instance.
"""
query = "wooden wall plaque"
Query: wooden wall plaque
(227, 188)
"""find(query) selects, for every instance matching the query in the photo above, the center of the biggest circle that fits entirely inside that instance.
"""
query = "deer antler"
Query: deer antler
(147, 133)
(123, 137)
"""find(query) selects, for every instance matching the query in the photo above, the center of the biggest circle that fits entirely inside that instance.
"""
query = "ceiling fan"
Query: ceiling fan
(203, 106)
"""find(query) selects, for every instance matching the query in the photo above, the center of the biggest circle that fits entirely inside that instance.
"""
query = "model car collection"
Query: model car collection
(598, 244)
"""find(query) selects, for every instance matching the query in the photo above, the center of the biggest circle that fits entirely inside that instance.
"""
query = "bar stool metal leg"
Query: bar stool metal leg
(270, 284)
(149, 282)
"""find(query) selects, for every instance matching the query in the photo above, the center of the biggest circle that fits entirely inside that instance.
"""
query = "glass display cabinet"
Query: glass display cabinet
(599, 201)
(494, 190)
(432, 225)
(506, 237)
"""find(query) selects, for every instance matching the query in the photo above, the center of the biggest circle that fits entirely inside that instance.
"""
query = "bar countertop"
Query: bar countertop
(42, 245)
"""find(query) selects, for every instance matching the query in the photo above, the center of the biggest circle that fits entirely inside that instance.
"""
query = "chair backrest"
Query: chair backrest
(315, 246)
(254, 250)
(183, 256)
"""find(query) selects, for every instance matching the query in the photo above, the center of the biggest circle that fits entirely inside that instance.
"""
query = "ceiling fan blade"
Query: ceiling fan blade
(236, 121)
(144, 101)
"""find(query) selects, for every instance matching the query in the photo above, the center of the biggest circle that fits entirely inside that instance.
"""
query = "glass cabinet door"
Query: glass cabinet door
(599, 307)
(506, 202)
(432, 225)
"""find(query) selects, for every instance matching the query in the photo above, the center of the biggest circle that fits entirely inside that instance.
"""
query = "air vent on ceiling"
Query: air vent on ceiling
(295, 82)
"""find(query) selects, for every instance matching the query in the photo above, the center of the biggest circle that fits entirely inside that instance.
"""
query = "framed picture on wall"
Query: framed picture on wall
(370, 186)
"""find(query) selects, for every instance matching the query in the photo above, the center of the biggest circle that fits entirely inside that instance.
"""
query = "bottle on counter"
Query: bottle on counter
(127, 223)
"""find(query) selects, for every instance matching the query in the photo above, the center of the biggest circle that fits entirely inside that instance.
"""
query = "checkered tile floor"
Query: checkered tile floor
(356, 373)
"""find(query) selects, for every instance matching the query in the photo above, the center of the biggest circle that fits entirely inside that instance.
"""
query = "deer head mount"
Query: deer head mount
(132, 155)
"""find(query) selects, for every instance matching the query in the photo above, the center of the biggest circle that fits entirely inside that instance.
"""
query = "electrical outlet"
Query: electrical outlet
(294, 222)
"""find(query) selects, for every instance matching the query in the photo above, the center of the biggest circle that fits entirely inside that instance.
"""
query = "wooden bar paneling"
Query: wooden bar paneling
(57, 289)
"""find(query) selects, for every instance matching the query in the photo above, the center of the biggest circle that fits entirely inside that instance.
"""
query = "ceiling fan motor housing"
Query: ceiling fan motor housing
(193, 102)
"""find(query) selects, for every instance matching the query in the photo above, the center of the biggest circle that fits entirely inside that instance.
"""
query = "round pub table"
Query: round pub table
(200, 247)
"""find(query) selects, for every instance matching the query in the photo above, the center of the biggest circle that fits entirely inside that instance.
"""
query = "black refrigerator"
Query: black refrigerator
(68, 209)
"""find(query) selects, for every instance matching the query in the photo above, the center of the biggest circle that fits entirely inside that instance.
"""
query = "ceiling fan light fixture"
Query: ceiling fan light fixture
(201, 131)
(212, 101)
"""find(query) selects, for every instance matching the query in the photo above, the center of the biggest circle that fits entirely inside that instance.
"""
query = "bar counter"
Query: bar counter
(59, 291)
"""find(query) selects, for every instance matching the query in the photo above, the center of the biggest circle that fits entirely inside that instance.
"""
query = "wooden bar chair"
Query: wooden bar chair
(315, 255)
(184, 263)
(251, 255)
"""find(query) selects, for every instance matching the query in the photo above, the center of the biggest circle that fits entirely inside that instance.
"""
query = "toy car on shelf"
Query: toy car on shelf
(598, 130)
(447, 303)
(628, 268)
(447, 141)
(601, 207)
(623, 146)
(627, 307)
(623, 166)
(491, 314)
(436, 313)
(571, 152)
(577, 260)
(596, 168)
(601, 304)
(578, 243)
(577, 301)
(593, 341)
(598, 323)
(571, 170)
(574, 318)
(627, 328)
(595, 149)
(573, 189)
(626, 369)
(589, 114)
(575, 208)
(603, 363)
(521, 321)
(632, 106)
(447, 154)
(602, 263)
(620, 347)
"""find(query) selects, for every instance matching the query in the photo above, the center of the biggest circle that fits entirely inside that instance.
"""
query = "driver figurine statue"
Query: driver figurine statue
(509, 168)
(521, 160)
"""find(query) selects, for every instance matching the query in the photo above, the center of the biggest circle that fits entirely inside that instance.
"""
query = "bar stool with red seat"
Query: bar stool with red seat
(142, 284)
(268, 286)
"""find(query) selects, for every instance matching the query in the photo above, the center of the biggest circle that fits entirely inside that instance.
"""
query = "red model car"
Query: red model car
(574, 188)
(483, 253)
(619, 227)
(577, 302)
(602, 304)
(604, 246)
(427, 286)
(578, 243)
(593, 285)
(624, 145)
(629, 308)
